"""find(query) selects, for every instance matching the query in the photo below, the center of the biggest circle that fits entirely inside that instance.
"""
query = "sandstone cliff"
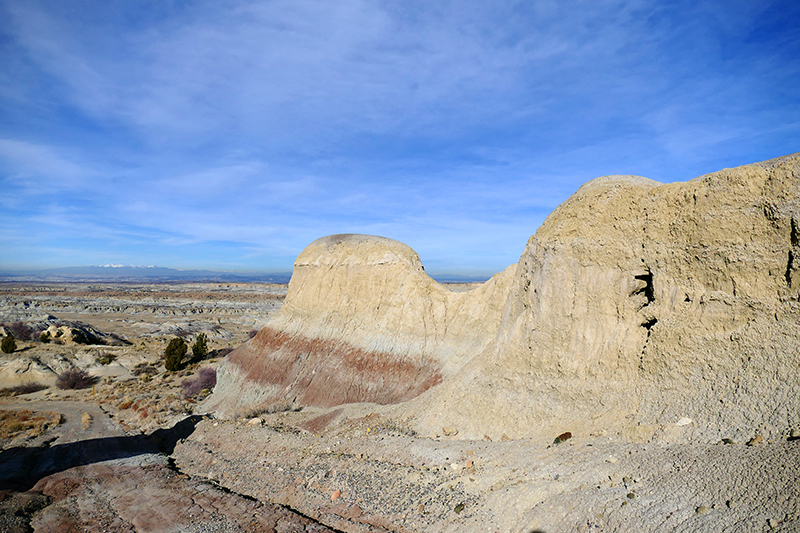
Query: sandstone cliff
(651, 310)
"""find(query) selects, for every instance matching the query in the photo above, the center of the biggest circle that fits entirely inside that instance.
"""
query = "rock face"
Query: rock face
(639, 308)
(362, 322)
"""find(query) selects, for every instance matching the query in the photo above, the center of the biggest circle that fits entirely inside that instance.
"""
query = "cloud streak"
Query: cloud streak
(454, 126)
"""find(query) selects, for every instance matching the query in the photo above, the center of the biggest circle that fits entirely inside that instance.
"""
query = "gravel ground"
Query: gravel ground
(358, 481)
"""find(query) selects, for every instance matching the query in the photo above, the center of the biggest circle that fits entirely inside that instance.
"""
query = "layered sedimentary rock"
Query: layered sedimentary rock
(362, 322)
(640, 308)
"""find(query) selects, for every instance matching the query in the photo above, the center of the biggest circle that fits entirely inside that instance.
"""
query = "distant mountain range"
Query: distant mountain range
(157, 274)
(140, 273)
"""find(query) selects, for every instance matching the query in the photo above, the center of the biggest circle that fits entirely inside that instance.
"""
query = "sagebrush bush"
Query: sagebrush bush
(106, 358)
(206, 379)
(21, 331)
(8, 345)
(24, 388)
(75, 378)
(173, 355)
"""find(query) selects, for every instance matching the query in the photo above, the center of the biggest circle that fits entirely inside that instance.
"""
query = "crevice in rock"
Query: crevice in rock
(648, 324)
(647, 290)
(789, 267)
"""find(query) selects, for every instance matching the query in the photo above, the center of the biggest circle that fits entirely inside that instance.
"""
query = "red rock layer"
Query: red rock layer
(326, 372)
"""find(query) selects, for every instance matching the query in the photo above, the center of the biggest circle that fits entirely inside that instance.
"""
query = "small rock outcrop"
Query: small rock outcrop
(637, 305)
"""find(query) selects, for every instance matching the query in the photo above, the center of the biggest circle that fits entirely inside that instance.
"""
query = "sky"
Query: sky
(230, 134)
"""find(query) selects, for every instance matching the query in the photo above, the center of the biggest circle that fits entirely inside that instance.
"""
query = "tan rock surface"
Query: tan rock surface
(362, 322)
(638, 304)
(635, 306)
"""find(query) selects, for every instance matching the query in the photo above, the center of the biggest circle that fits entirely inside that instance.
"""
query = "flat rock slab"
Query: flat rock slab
(103, 498)
(363, 482)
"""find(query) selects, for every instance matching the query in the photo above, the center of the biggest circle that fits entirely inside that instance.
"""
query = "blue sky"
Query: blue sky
(230, 134)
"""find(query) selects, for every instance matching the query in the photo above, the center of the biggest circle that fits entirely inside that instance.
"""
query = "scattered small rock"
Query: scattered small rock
(702, 509)
(459, 508)
(563, 437)
(450, 431)
(336, 494)
(755, 440)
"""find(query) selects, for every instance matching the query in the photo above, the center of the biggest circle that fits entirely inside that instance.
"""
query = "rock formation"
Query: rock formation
(650, 310)
(362, 322)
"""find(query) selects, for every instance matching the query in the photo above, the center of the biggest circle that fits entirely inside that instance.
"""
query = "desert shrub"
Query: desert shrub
(206, 379)
(200, 346)
(75, 378)
(27, 388)
(252, 333)
(21, 331)
(24, 388)
(222, 352)
(144, 369)
(44, 337)
(106, 358)
(8, 345)
(173, 355)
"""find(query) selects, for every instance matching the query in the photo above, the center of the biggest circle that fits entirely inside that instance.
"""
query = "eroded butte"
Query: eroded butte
(650, 311)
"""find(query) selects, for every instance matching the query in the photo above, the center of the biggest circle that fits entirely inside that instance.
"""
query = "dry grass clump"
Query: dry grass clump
(144, 369)
(268, 408)
(24, 388)
(106, 358)
(13, 422)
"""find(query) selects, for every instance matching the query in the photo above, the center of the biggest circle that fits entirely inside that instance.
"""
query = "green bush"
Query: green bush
(8, 345)
(44, 337)
(200, 347)
(173, 355)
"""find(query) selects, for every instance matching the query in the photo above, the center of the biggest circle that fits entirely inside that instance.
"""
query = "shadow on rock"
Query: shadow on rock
(21, 468)
(166, 439)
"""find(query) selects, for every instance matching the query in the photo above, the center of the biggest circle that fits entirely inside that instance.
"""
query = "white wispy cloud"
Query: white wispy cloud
(457, 126)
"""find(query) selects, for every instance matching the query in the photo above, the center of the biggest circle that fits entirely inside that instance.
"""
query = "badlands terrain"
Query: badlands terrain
(637, 370)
